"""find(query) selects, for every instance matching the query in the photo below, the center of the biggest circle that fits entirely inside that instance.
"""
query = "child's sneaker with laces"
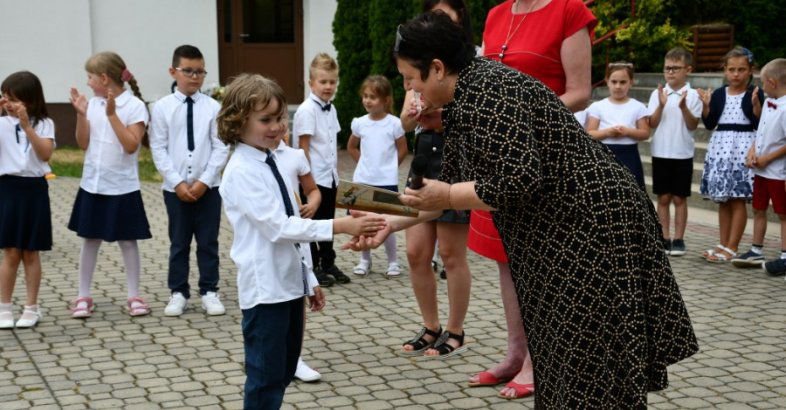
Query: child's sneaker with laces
(212, 304)
(177, 304)
(677, 247)
(748, 259)
(362, 268)
(775, 267)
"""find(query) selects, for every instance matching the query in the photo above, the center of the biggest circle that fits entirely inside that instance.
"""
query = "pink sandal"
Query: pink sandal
(137, 307)
(82, 307)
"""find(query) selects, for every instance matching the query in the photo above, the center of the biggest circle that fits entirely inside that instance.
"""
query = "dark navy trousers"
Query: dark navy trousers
(272, 339)
(187, 220)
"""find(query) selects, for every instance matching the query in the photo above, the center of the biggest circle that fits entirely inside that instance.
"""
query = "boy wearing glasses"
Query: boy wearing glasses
(674, 114)
(189, 156)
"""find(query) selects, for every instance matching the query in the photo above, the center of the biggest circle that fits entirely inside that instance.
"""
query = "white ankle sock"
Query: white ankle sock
(87, 264)
(130, 251)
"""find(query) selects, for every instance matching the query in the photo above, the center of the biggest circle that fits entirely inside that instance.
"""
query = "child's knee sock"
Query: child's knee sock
(390, 248)
(87, 264)
(130, 251)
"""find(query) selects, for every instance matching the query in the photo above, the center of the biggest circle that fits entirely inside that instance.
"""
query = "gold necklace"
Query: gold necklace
(510, 26)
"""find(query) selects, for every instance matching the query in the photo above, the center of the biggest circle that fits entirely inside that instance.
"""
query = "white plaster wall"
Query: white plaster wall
(317, 32)
(53, 38)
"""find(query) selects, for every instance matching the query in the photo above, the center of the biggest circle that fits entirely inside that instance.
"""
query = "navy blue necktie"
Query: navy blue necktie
(190, 123)
(288, 208)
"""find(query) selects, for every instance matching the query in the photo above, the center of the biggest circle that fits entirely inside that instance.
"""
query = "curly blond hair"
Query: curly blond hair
(245, 94)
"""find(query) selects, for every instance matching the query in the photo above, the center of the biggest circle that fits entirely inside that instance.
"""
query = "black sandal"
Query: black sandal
(419, 343)
(445, 349)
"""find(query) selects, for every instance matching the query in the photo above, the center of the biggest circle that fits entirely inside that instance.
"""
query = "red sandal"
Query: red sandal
(522, 390)
(487, 379)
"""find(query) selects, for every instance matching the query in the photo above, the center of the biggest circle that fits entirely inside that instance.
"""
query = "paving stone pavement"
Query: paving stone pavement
(195, 361)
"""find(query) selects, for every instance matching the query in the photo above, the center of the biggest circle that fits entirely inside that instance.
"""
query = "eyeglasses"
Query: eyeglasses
(189, 72)
(672, 68)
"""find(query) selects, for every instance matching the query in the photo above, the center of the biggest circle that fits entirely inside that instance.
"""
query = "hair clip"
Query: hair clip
(399, 39)
(126, 75)
(748, 54)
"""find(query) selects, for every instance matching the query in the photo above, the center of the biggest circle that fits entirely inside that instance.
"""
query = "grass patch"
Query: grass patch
(67, 162)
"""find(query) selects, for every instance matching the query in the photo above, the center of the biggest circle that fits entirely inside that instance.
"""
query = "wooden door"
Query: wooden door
(265, 37)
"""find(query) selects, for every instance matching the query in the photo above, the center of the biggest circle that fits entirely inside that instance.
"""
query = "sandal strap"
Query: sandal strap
(727, 250)
(140, 303)
(419, 343)
(442, 345)
(75, 303)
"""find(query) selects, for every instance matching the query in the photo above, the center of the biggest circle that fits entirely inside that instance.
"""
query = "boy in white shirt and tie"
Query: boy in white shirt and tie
(189, 156)
(315, 131)
(260, 204)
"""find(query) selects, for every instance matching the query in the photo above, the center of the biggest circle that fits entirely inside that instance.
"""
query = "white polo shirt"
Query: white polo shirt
(323, 126)
(169, 141)
(770, 136)
(672, 139)
(378, 164)
(611, 114)
(108, 169)
(263, 247)
(17, 156)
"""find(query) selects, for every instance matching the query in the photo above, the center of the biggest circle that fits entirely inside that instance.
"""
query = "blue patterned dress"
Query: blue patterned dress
(725, 175)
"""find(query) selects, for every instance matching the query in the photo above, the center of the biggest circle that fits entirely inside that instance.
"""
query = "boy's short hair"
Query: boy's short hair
(244, 95)
(680, 54)
(776, 70)
(185, 51)
(322, 61)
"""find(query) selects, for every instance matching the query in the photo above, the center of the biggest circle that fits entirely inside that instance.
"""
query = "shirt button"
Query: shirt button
(434, 149)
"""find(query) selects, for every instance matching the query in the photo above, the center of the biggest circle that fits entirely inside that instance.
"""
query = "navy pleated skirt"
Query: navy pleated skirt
(25, 214)
(628, 155)
(109, 217)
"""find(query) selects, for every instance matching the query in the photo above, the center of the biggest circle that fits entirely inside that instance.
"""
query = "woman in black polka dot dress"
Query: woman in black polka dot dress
(600, 305)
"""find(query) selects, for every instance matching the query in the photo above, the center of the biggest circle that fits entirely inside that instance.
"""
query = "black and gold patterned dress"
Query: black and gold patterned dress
(600, 305)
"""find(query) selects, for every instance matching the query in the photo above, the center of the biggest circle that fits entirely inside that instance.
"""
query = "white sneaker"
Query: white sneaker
(6, 316)
(394, 269)
(212, 305)
(362, 268)
(177, 304)
(305, 373)
(30, 317)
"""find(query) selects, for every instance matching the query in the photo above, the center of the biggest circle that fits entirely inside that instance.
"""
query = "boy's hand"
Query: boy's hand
(110, 103)
(183, 193)
(683, 100)
(79, 102)
(365, 225)
(197, 190)
(317, 302)
(662, 97)
(308, 210)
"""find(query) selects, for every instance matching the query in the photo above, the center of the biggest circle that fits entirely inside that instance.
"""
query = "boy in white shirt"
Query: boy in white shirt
(259, 202)
(674, 113)
(766, 157)
(315, 131)
(189, 155)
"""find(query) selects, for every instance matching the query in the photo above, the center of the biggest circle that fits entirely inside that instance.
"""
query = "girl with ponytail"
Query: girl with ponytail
(108, 206)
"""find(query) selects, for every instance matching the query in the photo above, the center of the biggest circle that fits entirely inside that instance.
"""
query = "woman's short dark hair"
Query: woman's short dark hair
(460, 7)
(431, 36)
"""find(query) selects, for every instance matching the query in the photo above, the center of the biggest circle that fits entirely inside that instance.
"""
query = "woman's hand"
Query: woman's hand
(430, 119)
(433, 196)
(79, 101)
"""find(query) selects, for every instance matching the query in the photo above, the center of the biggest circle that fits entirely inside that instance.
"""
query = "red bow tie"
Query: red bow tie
(772, 105)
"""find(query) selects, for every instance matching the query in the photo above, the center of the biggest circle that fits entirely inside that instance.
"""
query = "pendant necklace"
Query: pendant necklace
(501, 54)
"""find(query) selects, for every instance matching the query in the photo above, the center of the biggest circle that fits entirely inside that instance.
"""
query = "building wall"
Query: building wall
(67, 32)
(318, 32)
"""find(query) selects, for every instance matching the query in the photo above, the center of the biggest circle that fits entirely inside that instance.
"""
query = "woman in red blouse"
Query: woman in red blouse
(549, 40)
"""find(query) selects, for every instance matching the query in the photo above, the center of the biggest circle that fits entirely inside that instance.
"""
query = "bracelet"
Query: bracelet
(450, 188)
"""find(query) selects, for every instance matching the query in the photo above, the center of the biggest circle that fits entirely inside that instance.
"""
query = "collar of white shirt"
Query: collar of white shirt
(251, 152)
(318, 100)
(182, 97)
(670, 91)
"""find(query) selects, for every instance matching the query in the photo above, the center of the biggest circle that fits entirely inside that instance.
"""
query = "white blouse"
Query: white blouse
(17, 156)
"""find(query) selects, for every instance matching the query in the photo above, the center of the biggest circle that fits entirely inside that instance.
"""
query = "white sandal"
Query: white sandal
(718, 257)
(711, 252)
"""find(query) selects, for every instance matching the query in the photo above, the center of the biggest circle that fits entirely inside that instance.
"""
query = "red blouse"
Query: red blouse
(535, 47)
